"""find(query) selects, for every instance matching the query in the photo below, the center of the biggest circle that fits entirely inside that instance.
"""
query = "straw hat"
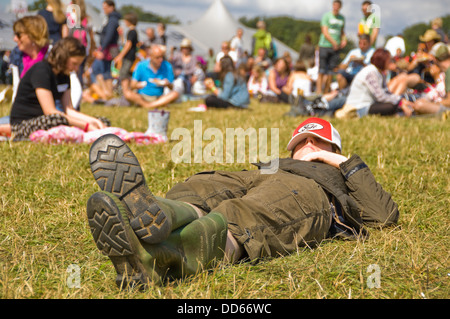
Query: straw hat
(186, 43)
(430, 35)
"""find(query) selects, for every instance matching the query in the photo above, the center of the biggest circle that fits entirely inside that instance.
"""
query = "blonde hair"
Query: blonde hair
(58, 11)
(35, 27)
(259, 71)
(437, 22)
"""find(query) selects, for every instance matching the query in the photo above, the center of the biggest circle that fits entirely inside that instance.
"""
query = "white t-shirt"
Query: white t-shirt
(232, 54)
(395, 43)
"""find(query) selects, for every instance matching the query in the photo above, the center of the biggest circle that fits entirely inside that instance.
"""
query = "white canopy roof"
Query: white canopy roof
(210, 30)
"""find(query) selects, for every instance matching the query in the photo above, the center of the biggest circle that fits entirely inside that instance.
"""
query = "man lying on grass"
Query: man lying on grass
(316, 194)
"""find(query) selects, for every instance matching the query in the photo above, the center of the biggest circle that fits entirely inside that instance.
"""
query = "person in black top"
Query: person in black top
(128, 54)
(56, 20)
(46, 82)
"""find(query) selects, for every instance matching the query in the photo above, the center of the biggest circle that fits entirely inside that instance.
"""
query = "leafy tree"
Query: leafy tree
(37, 5)
(291, 31)
(147, 16)
(411, 36)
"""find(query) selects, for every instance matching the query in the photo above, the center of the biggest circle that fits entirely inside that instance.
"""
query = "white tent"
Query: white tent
(217, 25)
(210, 30)
(6, 30)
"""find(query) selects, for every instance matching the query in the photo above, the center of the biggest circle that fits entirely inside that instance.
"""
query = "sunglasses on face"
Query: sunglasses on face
(19, 34)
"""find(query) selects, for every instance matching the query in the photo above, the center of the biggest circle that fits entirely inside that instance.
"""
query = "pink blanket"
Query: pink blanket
(65, 134)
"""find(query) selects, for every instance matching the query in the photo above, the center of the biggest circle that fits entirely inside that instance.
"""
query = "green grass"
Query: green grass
(43, 226)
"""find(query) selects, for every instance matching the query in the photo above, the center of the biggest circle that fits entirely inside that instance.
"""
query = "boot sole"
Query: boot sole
(105, 216)
(117, 171)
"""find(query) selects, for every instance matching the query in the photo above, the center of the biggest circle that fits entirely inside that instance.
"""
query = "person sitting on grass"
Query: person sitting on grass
(150, 78)
(425, 105)
(368, 92)
(44, 83)
(315, 194)
(234, 92)
(31, 36)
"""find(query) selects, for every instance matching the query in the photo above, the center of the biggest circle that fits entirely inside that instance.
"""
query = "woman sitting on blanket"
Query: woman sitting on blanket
(44, 83)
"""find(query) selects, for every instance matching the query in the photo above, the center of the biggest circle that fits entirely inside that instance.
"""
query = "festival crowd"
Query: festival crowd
(123, 70)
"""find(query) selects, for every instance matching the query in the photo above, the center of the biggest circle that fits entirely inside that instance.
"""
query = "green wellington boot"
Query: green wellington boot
(117, 171)
(189, 249)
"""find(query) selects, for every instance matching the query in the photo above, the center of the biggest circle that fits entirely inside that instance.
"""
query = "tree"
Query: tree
(147, 16)
(291, 31)
(37, 5)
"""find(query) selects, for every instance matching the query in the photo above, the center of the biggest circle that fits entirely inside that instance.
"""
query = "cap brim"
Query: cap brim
(300, 136)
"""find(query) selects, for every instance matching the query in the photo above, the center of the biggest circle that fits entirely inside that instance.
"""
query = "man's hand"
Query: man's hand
(329, 158)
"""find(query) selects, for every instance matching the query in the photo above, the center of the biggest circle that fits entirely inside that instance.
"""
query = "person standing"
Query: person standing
(161, 31)
(369, 23)
(56, 20)
(307, 52)
(262, 39)
(237, 45)
(332, 40)
(127, 56)
(109, 48)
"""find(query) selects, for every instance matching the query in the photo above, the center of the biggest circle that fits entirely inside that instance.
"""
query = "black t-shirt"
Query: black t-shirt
(26, 104)
(133, 37)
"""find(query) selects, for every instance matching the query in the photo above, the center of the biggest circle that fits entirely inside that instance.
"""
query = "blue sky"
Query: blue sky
(395, 14)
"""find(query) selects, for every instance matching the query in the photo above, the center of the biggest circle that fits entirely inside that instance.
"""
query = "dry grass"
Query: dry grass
(43, 227)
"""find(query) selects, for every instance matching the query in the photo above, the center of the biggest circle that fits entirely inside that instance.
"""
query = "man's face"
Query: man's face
(107, 9)
(336, 8)
(364, 45)
(365, 10)
(310, 144)
(156, 58)
(150, 33)
(225, 48)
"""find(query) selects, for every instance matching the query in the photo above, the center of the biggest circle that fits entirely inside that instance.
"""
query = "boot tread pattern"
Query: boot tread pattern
(149, 224)
(107, 229)
(117, 171)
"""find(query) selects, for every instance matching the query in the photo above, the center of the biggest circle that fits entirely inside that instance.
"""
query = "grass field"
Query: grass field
(44, 231)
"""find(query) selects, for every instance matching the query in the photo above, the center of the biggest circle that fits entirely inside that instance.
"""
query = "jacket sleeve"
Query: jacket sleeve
(377, 206)
(109, 33)
(379, 92)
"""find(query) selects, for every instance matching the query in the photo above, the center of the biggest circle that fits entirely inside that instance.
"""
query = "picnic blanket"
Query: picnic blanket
(65, 134)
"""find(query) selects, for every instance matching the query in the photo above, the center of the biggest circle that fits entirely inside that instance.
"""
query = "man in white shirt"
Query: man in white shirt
(237, 44)
(355, 60)
(226, 50)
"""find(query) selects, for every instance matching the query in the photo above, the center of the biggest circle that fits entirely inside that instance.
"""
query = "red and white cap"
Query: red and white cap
(318, 127)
